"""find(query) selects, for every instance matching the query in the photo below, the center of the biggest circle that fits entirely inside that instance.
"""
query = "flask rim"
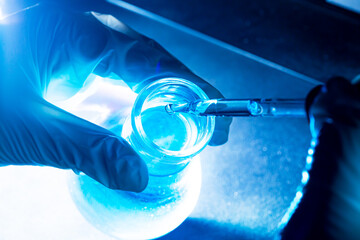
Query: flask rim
(139, 131)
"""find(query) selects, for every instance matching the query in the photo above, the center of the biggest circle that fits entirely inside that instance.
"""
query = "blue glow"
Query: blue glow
(299, 194)
(7, 10)
(2, 15)
(311, 151)
(170, 195)
(291, 209)
(309, 160)
(170, 132)
(101, 100)
(160, 208)
(305, 177)
(2, 10)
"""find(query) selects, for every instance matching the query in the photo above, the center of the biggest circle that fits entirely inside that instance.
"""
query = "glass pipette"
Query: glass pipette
(241, 107)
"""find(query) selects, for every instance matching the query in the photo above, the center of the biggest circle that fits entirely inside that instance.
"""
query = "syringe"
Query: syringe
(241, 107)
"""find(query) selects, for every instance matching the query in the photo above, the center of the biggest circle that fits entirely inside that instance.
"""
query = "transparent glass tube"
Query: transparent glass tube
(169, 144)
(242, 107)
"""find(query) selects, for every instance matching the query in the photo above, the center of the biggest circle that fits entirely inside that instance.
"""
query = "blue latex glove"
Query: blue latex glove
(59, 46)
(330, 206)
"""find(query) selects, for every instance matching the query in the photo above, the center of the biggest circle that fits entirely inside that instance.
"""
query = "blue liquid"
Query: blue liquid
(173, 132)
(167, 200)
(160, 208)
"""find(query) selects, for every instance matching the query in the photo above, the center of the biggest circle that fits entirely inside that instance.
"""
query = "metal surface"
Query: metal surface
(297, 34)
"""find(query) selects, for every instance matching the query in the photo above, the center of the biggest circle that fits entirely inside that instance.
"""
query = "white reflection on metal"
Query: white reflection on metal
(156, 18)
(352, 5)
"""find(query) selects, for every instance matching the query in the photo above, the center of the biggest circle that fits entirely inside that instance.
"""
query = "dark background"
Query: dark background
(310, 37)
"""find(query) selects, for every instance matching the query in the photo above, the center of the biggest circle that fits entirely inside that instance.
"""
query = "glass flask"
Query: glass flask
(169, 144)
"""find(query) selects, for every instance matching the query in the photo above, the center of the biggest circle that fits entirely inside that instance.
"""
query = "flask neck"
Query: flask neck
(168, 142)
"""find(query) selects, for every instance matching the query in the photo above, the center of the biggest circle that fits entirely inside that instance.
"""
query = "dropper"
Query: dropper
(241, 107)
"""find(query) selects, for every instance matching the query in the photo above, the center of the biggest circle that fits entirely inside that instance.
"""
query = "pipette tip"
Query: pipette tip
(169, 109)
(175, 108)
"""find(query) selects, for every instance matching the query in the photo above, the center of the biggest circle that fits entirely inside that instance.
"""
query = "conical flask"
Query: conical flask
(169, 144)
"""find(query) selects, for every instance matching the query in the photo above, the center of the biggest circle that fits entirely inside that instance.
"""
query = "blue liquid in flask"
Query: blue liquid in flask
(166, 143)
(171, 132)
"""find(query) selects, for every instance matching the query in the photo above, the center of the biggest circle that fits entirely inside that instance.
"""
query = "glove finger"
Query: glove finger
(43, 134)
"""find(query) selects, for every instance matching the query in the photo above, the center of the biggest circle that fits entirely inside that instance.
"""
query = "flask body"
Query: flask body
(165, 203)
(169, 145)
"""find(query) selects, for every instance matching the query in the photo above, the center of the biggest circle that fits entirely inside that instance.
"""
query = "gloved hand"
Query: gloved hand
(48, 50)
(330, 206)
